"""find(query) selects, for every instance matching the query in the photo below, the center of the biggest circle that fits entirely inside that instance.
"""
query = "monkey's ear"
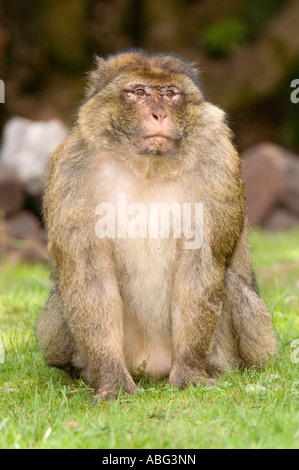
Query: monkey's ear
(195, 69)
(93, 77)
(194, 73)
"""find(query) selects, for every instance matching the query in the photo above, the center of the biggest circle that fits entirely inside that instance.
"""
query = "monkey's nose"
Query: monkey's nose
(159, 116)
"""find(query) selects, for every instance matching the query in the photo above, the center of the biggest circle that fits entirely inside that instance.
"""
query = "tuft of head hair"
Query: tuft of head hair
(107, 69)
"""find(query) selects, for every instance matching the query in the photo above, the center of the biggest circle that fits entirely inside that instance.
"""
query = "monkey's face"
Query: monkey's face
(149, 105)
(153, 106)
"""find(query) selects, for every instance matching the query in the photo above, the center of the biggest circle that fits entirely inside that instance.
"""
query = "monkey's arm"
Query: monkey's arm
(92, 307)
(88, 290)
(197, 302)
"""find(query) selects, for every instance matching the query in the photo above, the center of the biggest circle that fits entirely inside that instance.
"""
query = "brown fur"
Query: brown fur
(117, 302)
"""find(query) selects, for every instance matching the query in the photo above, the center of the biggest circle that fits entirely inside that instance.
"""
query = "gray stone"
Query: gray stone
(23, 238)
(271, 176)
(291, 168)
(27, 146)
(281, 219)
(265, 181)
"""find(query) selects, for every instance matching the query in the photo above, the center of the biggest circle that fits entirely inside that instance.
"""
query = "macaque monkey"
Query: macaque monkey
(146, 136)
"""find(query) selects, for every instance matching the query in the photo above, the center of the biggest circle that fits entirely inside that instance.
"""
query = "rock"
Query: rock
(265, 180)
(291, 167)
(11, 191)
(281, 219)
(27, 146)
(23, 238)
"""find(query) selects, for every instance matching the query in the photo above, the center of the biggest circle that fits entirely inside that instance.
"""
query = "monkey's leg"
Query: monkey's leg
(251, 321)
(54, 334)
(57, 341)
(244, 335)
(93, 309)
(197, 307)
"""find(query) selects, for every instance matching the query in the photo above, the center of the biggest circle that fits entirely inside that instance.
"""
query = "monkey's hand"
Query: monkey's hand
(181, 376)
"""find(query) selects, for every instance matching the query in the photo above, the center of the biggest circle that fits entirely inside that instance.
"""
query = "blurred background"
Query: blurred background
(248, 53)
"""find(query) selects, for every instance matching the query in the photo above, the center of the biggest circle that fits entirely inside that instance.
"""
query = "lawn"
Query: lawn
(42, 407)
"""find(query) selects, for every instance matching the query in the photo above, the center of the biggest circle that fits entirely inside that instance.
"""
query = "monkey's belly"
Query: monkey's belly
(144, 353)
(146, 288)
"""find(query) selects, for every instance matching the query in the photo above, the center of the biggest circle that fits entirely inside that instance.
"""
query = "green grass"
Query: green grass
(42, 407)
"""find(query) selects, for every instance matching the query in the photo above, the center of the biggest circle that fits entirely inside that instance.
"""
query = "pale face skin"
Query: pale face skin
(156, 105)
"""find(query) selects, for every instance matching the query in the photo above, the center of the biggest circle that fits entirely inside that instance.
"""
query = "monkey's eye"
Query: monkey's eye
(169, 93)
(140, 92)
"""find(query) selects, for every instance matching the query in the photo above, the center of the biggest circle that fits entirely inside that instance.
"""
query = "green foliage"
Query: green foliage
(258, 13)
(41, 407)
(224, 38)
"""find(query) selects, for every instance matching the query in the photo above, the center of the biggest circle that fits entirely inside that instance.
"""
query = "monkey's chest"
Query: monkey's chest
(146, 270)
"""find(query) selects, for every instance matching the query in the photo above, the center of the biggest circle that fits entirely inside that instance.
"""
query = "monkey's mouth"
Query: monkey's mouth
(158, 137)
(157, 143)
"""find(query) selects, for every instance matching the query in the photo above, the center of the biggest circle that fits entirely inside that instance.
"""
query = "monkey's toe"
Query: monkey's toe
(208, 382)
(109, 395)
(104, 396)
(182, 377)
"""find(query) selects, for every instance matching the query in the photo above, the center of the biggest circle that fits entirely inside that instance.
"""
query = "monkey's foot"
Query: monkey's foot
(183, 376)
(103, 396)
(111, 393)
